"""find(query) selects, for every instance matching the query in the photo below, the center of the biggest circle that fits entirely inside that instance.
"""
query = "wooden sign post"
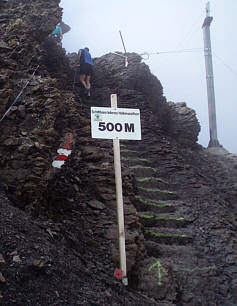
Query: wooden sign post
(119, 199)
(117, 123)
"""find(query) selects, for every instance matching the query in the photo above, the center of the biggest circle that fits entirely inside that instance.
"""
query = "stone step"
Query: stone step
(173, 207)
(151, 182)
(141, 170)
(181, 257)
(149, 219)
(168, 235)
(130, 145)
(143, 204)
(156, 193)
(128, 152)
(169, 251)
(135, 160)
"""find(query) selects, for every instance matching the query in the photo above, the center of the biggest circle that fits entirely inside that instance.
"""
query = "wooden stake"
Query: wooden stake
(119, 198)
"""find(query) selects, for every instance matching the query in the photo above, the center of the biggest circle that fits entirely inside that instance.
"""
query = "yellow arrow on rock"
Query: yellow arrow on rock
(160, 269)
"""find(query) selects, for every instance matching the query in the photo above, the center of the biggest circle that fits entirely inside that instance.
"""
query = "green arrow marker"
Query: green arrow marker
(160, 269)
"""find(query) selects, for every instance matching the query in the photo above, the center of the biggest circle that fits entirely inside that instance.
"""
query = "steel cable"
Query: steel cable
(20, 93)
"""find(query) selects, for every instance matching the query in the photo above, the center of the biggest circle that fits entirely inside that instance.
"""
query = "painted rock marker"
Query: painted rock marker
(118, 274)
(160, 270)
(63, 153)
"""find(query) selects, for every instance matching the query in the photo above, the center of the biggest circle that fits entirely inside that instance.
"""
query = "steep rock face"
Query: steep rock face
(175, 192)
(111, 75)
(24, 25)
(114, 76)
(45, 119)
(175, 119)
(28, 131)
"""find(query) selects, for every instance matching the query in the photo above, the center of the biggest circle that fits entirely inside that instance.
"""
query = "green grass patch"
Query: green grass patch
(164, 234)
(150, 203)
(148, 179)
(155, 190)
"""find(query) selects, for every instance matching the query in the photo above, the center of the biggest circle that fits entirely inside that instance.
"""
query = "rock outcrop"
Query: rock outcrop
(29, 130)
(23, 28)
(184, 125)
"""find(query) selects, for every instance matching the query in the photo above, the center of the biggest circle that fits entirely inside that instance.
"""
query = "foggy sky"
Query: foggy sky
(167, 25)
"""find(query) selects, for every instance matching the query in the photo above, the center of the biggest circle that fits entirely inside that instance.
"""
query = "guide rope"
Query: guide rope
(18, 96)
(193, 29)
(166, 52)
(225, 64)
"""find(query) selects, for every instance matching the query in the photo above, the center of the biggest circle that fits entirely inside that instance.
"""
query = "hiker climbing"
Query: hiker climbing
(57, 34)
(86, 65)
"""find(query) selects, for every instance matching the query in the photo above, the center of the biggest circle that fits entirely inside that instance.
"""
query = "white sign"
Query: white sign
(115, 123)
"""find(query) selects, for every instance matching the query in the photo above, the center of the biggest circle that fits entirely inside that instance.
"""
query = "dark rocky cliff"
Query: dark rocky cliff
(58, 234)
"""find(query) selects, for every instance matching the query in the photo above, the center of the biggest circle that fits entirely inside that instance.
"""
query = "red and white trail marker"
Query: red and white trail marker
(63, 153)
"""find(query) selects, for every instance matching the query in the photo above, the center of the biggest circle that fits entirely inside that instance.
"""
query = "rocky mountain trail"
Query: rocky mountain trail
(182, 186)
(175, 245)
(58, 225)
(51, 269)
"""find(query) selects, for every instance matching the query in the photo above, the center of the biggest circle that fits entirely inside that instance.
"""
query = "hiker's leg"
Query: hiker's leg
(88, 84)
(82, 80)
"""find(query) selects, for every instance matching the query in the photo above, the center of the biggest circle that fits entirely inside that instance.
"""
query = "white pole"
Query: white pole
(119, 198)
(210, 79)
